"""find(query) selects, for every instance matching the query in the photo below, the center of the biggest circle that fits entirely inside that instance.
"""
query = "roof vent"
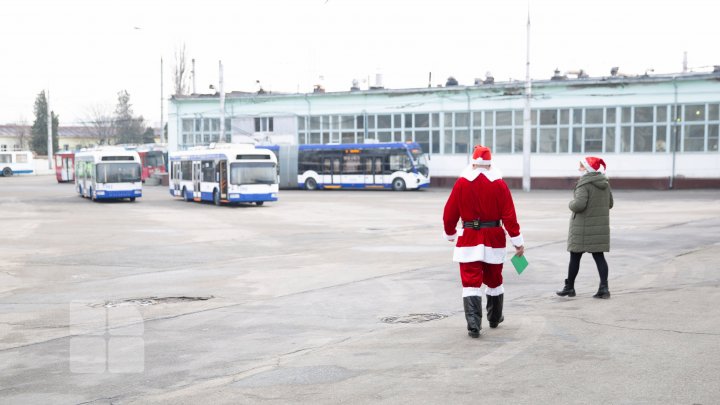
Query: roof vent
(558, 76)
(451, 81)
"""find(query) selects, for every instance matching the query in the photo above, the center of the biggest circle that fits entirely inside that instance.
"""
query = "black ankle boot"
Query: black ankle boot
(603, 291)
(473, 315)
(568, 290)
(494, 310)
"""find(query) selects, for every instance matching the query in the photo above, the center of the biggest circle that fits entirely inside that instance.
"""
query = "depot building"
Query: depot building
(654, 131)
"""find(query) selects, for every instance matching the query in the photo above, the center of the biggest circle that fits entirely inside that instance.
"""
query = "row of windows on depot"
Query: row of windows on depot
(203, 138)
(498, 118)
(633, 138)
(16, 147)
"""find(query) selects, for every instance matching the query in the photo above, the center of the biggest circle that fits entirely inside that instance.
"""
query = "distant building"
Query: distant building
(651, 130)
(17, 137)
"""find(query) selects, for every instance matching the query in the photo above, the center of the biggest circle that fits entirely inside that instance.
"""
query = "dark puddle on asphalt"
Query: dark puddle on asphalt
(413, 318)
(147, 301)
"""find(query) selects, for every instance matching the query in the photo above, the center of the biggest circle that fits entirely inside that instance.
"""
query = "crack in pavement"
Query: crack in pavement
(639, 329)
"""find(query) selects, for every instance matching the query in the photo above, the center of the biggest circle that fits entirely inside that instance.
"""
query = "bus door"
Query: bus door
(68, 166)
(176, 175)
(373, 171)
(196, 176)
(222, 174)
(331, 170)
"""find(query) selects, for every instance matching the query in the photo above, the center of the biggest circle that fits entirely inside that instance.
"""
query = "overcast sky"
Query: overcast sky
(85, 51)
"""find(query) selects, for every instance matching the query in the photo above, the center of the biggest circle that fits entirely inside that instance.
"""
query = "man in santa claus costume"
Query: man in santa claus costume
(482, 202)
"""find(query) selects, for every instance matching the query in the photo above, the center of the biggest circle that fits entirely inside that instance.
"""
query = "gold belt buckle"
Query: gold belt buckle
(476, 224)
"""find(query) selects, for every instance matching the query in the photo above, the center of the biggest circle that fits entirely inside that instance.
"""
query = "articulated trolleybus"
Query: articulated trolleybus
(109, 173)
(389, 165)
(224, 173)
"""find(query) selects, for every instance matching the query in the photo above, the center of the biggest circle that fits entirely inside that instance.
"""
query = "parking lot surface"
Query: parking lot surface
(345, 297)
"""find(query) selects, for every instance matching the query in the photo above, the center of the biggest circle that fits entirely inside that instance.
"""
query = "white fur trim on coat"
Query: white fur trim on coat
(450, 237)
(479, 253)
(471, 173)
(517, 240)
(472, 292)
(494, 292)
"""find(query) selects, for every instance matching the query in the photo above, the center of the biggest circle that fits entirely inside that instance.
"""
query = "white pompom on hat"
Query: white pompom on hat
(482, 155)
(593, 164)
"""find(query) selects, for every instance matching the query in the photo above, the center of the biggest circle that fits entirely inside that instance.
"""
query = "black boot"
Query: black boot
(494, 310)
(603, 291)
(473, 315)
(568, 290)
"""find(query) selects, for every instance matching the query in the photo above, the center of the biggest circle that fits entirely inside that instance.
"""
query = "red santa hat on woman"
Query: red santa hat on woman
(592, 164)
(481, 155)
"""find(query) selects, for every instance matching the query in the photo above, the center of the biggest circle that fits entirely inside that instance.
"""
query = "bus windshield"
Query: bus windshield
(154, 159)
(117, 173)
(253, 173)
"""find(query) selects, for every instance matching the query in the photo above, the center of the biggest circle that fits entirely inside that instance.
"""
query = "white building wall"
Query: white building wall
(570, 94)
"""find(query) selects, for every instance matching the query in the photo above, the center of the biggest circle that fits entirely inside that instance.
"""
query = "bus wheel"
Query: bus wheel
(310, 184)
(216, 197)
(398, 184)
(132, 199)
(259, 203)
(7, 172)
(185, 196)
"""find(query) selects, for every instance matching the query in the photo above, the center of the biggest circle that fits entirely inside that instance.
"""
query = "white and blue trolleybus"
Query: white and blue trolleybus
(108, 173)
(16, 162)
(390, 165)
(224, 173)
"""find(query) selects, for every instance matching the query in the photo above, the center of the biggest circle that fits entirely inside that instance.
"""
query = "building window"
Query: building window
(264, 124)
(3, 148)
(16, 147)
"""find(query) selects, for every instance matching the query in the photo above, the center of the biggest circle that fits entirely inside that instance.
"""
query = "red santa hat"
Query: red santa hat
(481, 155)
(592, 164)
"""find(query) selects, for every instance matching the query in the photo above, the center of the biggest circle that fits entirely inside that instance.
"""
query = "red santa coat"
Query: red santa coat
(481, 194)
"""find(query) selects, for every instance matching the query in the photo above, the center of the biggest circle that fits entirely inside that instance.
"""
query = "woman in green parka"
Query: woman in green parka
(589, 224)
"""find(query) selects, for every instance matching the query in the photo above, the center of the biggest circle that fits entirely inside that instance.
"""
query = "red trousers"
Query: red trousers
(474, 274)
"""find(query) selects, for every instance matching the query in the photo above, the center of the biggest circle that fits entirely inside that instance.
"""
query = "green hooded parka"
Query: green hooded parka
(590, 220)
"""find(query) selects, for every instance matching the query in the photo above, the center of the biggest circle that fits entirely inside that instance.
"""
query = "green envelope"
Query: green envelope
(520, 263)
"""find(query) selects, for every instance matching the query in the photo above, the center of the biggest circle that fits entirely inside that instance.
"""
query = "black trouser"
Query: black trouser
(574, 266)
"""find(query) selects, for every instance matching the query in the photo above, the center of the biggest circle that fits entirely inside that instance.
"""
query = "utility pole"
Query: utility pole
(527, 127)
(222, 105)
(162, 105)
(49, 131)
(193, 75)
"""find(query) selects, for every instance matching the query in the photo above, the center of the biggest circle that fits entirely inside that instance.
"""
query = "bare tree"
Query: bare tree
(180, 74)
(100, 123)
(22, 130)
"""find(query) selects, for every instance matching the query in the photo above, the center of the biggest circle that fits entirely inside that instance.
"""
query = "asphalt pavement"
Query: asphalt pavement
(350, 297)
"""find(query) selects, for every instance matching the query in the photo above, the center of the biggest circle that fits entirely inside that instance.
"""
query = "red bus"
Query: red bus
(65, 166)
(153, 158)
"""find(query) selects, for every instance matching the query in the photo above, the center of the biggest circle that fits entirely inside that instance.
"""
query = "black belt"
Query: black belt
(477, 224)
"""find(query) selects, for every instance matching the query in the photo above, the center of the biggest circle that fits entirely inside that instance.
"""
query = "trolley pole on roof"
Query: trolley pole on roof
(49, 131)
(527, 127)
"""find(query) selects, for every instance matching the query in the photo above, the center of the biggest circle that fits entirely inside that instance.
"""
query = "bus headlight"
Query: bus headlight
(138, 191)
(234, 196)
(273, 195)
(99, 192)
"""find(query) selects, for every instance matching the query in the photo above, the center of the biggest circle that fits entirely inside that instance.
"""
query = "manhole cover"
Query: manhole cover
(413, 318)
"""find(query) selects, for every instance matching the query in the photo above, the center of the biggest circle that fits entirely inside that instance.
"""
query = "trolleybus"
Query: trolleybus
(224, 173)
(108, 173)
(65, 166)
(16, 162)
(396, 166)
